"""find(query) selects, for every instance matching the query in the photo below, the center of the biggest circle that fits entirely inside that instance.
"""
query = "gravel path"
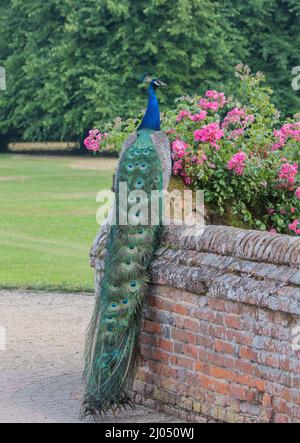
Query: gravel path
(40, 367)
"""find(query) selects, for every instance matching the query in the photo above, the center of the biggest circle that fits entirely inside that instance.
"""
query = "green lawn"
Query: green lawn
(48, 220)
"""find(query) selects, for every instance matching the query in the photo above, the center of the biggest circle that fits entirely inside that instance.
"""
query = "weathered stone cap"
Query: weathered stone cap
(251, 267)
(251, 245)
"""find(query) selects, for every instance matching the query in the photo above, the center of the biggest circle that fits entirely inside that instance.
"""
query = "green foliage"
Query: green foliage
(75, 64)
(254, 196)
(269, 30)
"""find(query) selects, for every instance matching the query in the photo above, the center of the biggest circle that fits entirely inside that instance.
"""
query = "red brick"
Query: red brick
(297, 413)
(160, 355)
(233, 321)
(178, 347)
(148, 339)
(217, 331)
(167, 371)
(286, 394)
(218, 372)
(191, 351)
(216, 359)
(204, 341)
(267, 401)
(248, 354)
(179, 321)
(281, 418)
(146, 351)
(179, 309)
(198, 366)
(296, 396)
(153, 327)
(233, 307)
(222, 387)
(204, 328)
(243, 366)
(238, 392)
(167, 345)
(225, 348)
(251, 395)
(235, 336)
(156, 302)
(191, 325)
(183, 335)
(217, 304)
(184, 362)
(203, 355)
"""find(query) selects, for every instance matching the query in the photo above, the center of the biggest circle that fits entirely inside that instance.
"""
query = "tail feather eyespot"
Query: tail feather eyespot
(139, 183)
(130, 167)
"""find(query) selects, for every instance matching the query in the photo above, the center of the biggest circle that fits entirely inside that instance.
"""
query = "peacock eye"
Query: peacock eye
(143, 166)
(137, 152)
(133, 283)
(139, 183)
(125, 301)
(130, 167)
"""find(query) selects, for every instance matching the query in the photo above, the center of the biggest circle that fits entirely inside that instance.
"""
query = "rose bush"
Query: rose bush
(236, 150)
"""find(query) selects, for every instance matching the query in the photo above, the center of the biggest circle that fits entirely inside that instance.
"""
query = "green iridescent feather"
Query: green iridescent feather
(112, 345)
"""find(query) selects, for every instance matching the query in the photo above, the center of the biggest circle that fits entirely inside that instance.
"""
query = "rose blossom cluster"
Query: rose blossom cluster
(193, 117)
(180, 156)
(237, 163)
(93, 140)
(288, 131)
(238, 119)
(294, 226)
(210, 133)
(214, 101)
(287, 174)
(179, 148)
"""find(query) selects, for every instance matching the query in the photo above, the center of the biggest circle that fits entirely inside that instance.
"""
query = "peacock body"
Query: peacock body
(112, 345)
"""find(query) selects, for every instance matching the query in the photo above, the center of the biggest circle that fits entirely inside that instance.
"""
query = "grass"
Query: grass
(47, 220)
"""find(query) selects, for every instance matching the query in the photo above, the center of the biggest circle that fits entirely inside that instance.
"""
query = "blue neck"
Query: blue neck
(151, 118)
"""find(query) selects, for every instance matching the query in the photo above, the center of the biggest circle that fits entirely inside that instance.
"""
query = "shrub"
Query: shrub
(237, 151)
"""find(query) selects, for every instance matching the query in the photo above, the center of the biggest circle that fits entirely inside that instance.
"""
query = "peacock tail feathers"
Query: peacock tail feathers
(112, 345)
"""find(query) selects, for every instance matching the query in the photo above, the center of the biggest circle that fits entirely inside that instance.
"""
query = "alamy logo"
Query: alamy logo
(2, 79)
(138, 208)
(296, 80)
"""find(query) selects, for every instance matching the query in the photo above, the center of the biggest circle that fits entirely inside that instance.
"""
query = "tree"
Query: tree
(270, 33)
(75, 64)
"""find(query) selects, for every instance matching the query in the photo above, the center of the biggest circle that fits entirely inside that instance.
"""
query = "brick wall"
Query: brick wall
(219, 340)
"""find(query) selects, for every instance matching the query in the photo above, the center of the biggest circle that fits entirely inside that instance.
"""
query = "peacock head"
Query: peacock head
(154, 82)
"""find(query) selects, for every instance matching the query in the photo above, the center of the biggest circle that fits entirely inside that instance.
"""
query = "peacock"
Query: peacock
(112, 342)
